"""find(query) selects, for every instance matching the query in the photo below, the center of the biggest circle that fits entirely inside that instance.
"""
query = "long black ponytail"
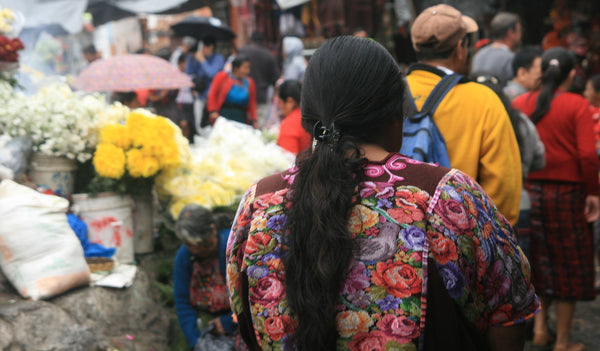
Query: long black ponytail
(557, 64)
(352, 89)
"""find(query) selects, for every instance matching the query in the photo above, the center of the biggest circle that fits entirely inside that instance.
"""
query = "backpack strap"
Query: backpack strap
(438, 93)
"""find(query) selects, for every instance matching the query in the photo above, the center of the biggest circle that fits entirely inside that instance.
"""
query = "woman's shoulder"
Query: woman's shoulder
(276, 182)
(406, 171)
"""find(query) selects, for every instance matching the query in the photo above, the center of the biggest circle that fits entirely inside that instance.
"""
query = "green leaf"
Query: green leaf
(378, 293)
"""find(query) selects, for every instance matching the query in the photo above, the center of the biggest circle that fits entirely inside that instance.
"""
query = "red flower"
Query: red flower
(444, 249)
(398, 278)
(257, 242)
(9, 48)
(373, 341)
(278, 326)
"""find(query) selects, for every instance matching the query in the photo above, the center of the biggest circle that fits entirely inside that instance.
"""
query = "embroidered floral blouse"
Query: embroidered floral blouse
(406, 212)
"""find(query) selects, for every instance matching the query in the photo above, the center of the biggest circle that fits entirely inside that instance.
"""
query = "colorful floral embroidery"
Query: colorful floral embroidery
(396, 226)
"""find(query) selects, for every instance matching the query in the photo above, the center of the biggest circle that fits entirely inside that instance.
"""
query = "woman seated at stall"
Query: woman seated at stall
(201, 296)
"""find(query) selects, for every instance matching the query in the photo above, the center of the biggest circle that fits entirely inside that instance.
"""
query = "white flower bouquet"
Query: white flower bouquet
(60, 122)
(222, 168)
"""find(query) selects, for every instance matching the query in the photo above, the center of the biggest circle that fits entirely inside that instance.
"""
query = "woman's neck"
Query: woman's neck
(373, 152)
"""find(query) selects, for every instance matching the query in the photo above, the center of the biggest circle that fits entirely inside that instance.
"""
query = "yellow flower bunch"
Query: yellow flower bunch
(146, 144)
(117, 135)
(109, 161)
(7, 17)
(155, 137)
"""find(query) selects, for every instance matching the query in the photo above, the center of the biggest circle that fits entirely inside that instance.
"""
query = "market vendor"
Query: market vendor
(201, 295)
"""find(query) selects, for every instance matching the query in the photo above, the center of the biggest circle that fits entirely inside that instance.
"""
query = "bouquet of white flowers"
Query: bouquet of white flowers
(60, 122)
(222, 168)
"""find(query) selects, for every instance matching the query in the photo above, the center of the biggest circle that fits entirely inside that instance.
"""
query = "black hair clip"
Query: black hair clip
(327, 135)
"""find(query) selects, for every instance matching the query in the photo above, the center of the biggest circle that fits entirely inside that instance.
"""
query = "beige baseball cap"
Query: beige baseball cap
(441, 26)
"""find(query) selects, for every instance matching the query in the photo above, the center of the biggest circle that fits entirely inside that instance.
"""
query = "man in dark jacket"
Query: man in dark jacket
(264, 72)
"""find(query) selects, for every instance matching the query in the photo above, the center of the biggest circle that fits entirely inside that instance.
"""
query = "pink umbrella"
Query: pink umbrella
(131, 72)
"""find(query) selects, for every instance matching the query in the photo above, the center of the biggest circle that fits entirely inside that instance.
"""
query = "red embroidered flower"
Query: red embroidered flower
(405, 196)
(406, 214)
(268, 291)
(278, 326)
(444, 249)
(398, 278)
(257, 242)
(373, 341)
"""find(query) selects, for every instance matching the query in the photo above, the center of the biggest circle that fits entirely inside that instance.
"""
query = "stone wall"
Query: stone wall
(88, 318)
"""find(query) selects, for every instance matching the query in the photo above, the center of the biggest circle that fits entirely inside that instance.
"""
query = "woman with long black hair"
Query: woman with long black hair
(361, 248)
(564, 197)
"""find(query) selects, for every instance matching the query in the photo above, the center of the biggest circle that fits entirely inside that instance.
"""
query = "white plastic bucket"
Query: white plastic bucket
(109, 220)
(53, 172)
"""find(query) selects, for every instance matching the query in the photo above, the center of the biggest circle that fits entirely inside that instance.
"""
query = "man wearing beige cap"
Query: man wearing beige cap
(471, 118)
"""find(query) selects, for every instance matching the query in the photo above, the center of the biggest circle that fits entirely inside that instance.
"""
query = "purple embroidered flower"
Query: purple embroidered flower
(497, 284)
(453, 279)
(413, 237)
(269, 257)
(360, 299)
(355, 279)
(384, 203)
(277, 221)
(389, 302)
(257, 272)
(451, 191)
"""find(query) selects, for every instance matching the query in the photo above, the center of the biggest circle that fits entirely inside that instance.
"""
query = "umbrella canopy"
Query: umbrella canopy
(200, 27)
(131, 72)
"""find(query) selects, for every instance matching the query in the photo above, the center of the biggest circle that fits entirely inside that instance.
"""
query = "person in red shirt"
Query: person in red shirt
(592, 94)
(564, 197)
(292, 136)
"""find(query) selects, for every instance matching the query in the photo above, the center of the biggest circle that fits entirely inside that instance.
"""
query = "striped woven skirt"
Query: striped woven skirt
(562, 250)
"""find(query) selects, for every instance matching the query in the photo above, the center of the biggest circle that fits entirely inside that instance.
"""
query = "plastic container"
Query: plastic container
(53, 172)
(109, 220)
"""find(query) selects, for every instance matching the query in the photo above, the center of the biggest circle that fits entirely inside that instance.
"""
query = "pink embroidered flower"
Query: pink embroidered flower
(267, 292)
(355, 280)
(270, 199)
(455, 216)
(401, 328)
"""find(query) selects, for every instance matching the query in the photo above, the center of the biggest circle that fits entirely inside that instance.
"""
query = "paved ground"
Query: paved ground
(586, 325)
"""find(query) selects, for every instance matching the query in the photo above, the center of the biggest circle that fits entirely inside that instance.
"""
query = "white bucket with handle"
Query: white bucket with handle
(109, 220)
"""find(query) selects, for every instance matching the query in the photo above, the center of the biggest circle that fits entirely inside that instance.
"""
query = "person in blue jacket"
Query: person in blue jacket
(202, 65)
(201, 295)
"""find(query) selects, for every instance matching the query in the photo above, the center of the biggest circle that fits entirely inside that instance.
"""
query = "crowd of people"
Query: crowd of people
(359, 246)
